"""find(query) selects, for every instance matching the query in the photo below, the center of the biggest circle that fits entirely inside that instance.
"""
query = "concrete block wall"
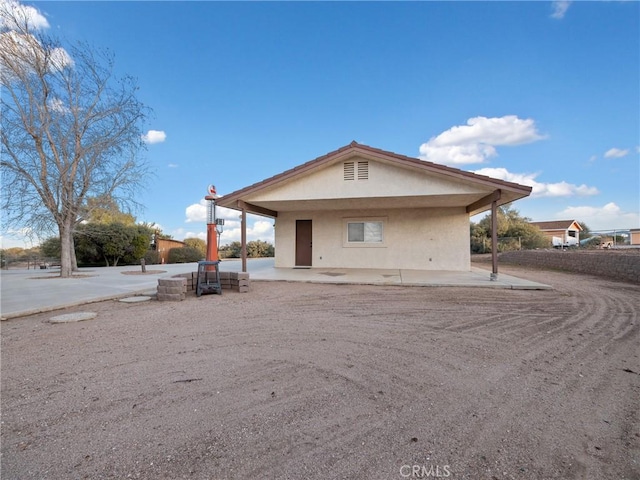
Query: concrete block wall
(236, 281)
(172, 289)
(613, 264)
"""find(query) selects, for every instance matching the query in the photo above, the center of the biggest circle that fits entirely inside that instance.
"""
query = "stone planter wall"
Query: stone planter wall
(616, 264)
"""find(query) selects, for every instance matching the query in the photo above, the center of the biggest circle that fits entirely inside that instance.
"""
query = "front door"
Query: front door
(303, 243)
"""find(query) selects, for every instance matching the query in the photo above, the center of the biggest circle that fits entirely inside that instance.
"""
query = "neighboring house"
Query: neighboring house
(163, 245)
(561, 232)
(361, 207)
(634, 234)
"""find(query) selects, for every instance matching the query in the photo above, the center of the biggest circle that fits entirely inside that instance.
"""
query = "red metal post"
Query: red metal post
(212, 234)
(212, 243)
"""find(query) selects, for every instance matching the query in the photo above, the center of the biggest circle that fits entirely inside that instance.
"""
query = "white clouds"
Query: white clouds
(559, 189)
(559, 8)
(256, 230)
(13, 242)
(59, 59)
(609, 216)
(57, 105)
(196, 212)
(456, 154)
(200, 235)
(182, 233)
(475, 142)
(12, 9)
(154, 136)
(22, 238)
(262, 227)
(616, 153)
(27, 53)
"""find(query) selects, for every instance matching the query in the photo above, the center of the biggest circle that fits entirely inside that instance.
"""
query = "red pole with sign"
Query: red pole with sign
(212, 234)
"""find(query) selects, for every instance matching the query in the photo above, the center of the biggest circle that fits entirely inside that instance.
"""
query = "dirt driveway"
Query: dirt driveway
(308, 381)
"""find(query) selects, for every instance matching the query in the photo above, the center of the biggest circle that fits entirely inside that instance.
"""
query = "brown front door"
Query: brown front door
(303, 243)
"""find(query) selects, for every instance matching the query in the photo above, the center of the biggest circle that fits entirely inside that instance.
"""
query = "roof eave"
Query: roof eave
(518, 191)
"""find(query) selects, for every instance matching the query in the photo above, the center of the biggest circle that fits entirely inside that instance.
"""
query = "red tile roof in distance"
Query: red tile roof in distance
(556, 225)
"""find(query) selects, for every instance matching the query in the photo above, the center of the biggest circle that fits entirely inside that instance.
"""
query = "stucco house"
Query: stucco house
(564, 230)
(362, 207)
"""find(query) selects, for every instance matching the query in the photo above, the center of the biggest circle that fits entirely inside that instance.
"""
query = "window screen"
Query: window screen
(367, 232)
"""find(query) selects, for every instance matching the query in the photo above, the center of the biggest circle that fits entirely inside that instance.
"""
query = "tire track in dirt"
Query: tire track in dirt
(567, 362)
(325, 381)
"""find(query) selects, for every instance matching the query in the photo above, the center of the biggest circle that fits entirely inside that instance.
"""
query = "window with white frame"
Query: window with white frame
(363, 232)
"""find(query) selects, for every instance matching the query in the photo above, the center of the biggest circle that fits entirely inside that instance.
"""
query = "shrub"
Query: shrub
(184, 255)
(151, 257)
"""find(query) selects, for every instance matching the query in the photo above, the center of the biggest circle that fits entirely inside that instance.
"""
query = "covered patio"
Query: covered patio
(263, 269)
(359, 207)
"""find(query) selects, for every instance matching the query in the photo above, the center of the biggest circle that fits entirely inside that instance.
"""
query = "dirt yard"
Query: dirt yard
(309, 381)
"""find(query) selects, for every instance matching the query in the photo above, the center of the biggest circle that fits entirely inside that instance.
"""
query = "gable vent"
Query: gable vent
(349, 171)
(356, 170)
(363, 170)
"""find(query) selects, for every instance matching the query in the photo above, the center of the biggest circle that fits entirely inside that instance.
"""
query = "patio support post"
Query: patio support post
(244, 239)
(494, 240)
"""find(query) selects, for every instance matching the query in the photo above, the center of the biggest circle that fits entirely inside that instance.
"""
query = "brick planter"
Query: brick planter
(172, 289)
(236, 281)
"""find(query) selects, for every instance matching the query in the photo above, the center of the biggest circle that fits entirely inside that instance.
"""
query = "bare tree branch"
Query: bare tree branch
(70, 131)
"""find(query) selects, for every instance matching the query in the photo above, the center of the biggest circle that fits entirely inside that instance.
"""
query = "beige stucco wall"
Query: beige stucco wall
(384, 181)
(420, 239)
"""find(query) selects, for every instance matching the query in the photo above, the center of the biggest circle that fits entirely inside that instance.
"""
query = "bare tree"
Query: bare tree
(70, 130)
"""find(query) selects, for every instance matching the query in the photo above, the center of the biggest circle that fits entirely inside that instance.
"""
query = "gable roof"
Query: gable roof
(557, 225)
(509, 191)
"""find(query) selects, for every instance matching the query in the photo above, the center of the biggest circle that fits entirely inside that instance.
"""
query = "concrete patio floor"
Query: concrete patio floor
(24, 292)
(477, 277)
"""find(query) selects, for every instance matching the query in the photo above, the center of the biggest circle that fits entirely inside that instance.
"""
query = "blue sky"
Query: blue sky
(541, 93)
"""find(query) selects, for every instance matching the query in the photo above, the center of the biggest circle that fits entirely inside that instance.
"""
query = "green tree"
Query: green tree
(586, 231)
(105, 209)
(514, 231)
(30, 256)
(50, 248)
(259, 248)
(231, 250)
(112, 244)
(70, 130)
(184, 255)
(11, 255)
(255, 249)
(139, 245)
(198, 244)
(479, 239)
(152, 257)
